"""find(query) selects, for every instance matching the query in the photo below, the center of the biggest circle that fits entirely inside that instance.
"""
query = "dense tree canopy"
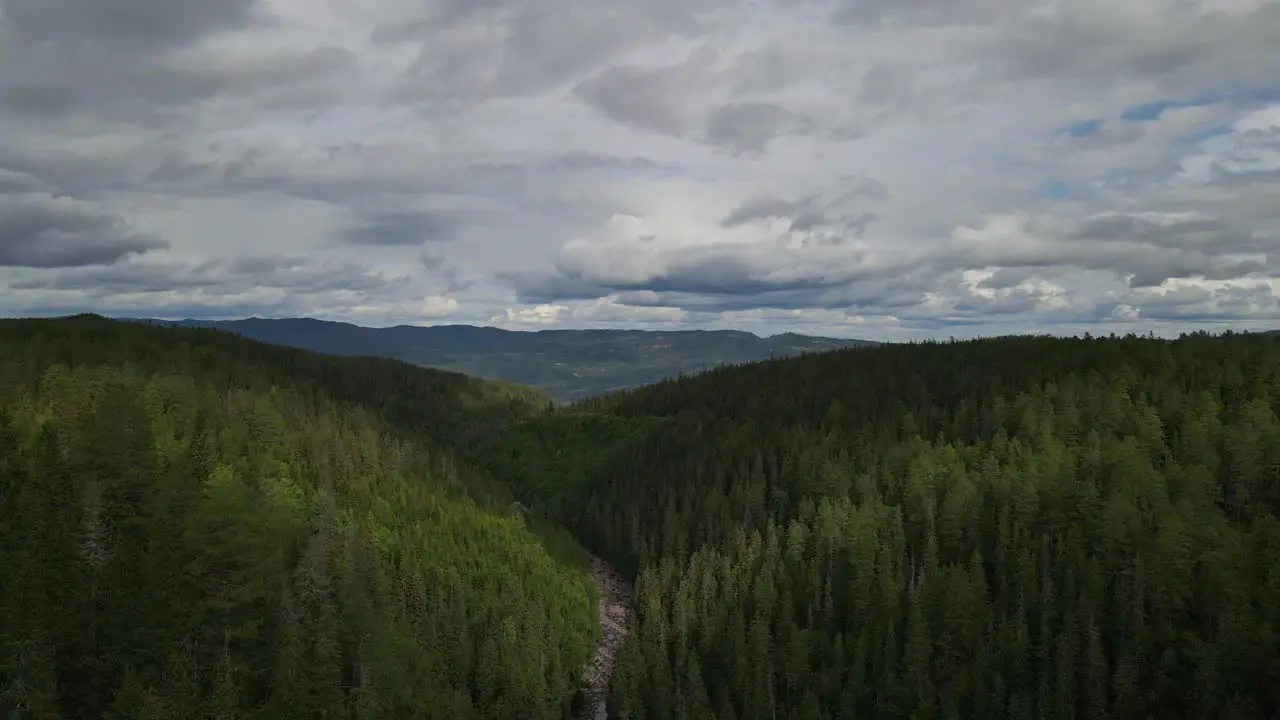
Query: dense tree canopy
(197, 526)
(1015, 528)
(193, 525)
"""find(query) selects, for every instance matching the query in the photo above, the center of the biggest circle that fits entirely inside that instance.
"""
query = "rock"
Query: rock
(615, 619)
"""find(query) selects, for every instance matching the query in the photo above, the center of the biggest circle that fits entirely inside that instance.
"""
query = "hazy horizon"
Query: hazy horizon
(872, 169)
(1170, 332)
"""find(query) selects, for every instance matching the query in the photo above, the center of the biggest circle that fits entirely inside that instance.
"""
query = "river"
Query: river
(615, 621)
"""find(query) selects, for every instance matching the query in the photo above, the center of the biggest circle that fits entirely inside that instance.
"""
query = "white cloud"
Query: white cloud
(545, 314)
(878, 168)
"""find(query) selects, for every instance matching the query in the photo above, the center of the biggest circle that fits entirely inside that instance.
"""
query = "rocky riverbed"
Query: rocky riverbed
(615, 621)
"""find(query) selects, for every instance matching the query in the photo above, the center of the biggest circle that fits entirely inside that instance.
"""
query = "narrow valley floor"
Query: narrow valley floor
(615, 621)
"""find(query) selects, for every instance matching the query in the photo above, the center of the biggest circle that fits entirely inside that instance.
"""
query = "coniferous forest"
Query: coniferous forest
(195, 525)
(1011, 528)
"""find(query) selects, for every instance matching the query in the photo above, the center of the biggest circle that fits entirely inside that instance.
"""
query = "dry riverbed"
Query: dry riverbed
(615, 621)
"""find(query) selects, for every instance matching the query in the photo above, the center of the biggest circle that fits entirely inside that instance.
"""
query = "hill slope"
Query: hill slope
(1020, 528)
(568, 364)
(196, 525)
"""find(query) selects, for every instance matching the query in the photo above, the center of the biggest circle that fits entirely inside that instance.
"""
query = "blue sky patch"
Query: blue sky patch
(1210, 132)
(1148, 111)
(1083, 128)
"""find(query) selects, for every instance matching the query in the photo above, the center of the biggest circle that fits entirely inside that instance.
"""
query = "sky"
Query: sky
(884, 169)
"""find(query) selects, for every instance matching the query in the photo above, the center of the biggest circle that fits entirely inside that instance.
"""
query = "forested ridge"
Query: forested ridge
(193, 525)
(567, 364)
(1011, 528)
(196, 525)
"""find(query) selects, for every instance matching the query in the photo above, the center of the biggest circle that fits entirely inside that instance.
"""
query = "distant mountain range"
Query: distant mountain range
(567, 364)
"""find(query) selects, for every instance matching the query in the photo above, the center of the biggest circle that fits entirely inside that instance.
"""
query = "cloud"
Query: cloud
(124, 25)
(750, 126)
(1195, 44)
(401, 228)
(1208, 302)
(878, 168)
(46, 232)
(37, 100)
(641, 96)
(1147, 248)
(13, 182)
(836, 205)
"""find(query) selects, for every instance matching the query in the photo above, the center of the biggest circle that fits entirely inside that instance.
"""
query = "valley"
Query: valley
(568, 365)
(200, 525)
(615, 621)
(616, 360)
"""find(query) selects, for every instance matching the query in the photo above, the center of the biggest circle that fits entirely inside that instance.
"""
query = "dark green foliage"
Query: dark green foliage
(546, 461)
(193, 525)
(1011, 528)
(198, 526)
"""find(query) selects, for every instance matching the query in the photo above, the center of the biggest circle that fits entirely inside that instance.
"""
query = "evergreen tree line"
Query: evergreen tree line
(1016, 528)
(197, 526)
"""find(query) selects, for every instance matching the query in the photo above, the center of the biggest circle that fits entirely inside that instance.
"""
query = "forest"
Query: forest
(1020, 528)
(197, 525)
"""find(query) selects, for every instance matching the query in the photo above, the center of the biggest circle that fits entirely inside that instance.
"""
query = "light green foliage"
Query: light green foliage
(1020, 528)
(198, 526)
(192, 525)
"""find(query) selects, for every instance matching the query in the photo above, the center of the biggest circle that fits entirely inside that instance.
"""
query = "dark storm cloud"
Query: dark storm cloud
(762, 208)
(14, 182)
(546, 46)
(584, 160)
(1009, 277)
(738, 276)
(357, 177)
(126, 26)
(64, 170)
(1186, 232)
(730, 279)
(1124, 226)
(1189, 304)
(1184, 48)
(431, 261)
(218, 278)
(1146, 248)
(139, 63)
(41, 231)
(403, 229)
(835, 209)
(666, 99)
(540, 287)
(719, 273)
(131, 278)
(872, 295)
(37, 100)
(515, 47)
(743, 127)
(874, 13)
(259, 266)
(639, 97)
(163, 112)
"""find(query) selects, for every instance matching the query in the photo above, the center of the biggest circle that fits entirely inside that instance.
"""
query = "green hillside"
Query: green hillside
(193, 525)
(1014, 528)
(567, 364)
